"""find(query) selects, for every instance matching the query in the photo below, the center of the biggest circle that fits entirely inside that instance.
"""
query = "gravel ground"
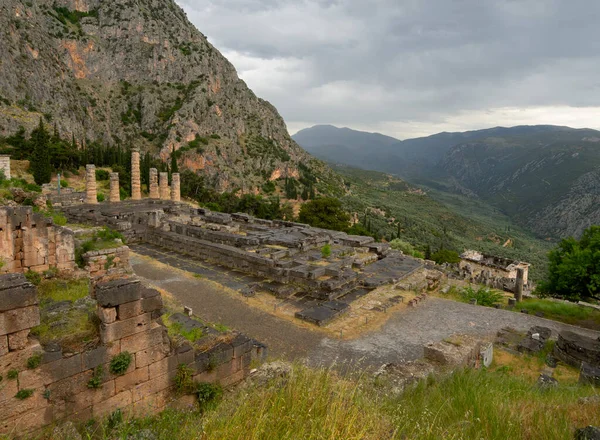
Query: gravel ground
(401, 338)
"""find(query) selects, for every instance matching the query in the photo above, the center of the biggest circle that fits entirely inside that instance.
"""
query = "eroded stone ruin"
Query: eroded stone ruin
(497, 272)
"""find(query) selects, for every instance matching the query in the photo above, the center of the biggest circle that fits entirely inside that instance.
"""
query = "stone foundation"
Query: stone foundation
(107, 262)
(30, 241)
(129, 316)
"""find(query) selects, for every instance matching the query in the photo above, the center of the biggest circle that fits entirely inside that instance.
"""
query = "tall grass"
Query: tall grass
(310, 404)
(561, 311)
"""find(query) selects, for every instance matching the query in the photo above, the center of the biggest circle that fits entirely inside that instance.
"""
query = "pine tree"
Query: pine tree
(40, 158)
(174, 167)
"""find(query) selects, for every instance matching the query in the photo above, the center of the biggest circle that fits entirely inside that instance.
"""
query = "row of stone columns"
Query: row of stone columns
(159, 188)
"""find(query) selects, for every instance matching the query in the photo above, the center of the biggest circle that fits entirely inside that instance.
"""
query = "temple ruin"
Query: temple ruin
(497, 272)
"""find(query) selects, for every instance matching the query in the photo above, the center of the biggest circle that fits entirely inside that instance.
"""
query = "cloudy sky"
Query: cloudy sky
(409, 68)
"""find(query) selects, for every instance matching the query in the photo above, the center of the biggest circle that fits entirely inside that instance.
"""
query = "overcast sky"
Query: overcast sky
(417, 67)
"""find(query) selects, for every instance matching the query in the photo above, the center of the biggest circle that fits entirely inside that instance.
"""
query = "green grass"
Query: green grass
(564, 312)
(319, 404)
(63, 290)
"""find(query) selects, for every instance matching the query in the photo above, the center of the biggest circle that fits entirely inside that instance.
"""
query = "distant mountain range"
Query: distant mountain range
(544, 177)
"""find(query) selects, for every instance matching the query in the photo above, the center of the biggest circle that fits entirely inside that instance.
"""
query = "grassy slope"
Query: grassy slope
(318, 404)
(438, 218)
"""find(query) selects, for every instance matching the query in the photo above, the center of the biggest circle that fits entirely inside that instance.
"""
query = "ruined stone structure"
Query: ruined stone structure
(107, 262)
(165, 193)
(56, 387)
(154, 193)
(91, 194)
(114, 194)
(136, 184)
(496, 272)
(288, 254)
(5, 165)
(30, 241)
(580, 352)
(175, 188)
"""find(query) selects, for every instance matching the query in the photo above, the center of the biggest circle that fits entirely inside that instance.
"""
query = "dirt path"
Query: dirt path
(401, 338)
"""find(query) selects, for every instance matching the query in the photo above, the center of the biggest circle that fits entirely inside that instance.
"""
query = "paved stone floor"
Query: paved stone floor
(400, 338)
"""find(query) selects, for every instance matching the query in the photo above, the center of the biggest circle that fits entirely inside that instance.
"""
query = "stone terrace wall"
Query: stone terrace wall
(107, 262)
(130, 322)
(30, 241)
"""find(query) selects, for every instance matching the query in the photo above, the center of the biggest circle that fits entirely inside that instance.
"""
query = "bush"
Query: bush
(96, 379)
(120, 363)
(326, 251)
(325, 213)
(102, 175)
(445, 256)
(24, 394)
(208, 395)
(184, 382)
(406, 248)
(64, 183)
(483, 295)
(100, 197)
(34, 361)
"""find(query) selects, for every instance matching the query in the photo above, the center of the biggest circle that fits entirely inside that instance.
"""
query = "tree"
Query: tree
(574, 268)
(444, 256)
(174, 167)
(40, 157)
(325, 213)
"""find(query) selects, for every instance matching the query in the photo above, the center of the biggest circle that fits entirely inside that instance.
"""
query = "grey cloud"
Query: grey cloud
(364, 62)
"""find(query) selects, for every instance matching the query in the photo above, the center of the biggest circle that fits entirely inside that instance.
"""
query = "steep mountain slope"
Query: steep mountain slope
(138, 72)
(544, 177)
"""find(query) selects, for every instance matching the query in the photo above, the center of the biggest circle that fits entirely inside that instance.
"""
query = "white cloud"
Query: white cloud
(412, 68)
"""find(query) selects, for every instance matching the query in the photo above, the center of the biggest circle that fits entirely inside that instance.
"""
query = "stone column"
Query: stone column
(175, 188)
(91, 195)
(154, 194)
(114, 196)
(5, 165)
(519, 285)
(164, 186)
(136, 186)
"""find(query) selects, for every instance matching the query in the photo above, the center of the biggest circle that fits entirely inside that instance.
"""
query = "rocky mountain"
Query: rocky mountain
(544, 177)
(138, 72)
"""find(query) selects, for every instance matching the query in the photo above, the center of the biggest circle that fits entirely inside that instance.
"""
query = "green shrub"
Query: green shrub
(269, 187)
(208, 395)
(120, 363)
(33, 277)
(445, 256)
(12, 374)
(326, 251)
(58, 218)
(34, 361)
(100, 197)
(184, 382)
(24, 394)
(96, 379)
(102, 175)
(64, 183)
(483, 295)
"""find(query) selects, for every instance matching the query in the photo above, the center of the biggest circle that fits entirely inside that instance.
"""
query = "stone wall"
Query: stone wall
(30, 241)
(107, 262)
(58, 388)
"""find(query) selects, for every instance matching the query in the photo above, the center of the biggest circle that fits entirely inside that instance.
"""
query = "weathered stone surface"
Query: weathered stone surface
(91, 195)
(457, 350)
(136, 185)
(175, 187)
(140, 341)
(116, 292)
(107, 315)
(16, 292)
(589, 374)
(130, 309)
(127, 327)
(15, 320)
(3, 345)
(115, 195)
(588, 433)
(131, 380)
(573, 349)
(18, 340)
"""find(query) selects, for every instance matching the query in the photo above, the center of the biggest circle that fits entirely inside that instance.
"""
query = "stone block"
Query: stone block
(28, 422)
(18, 359)
(166, 366)
(92, 396)
(116, 292)
(50, 372)
(92, 358)
(151, 355)
(107, 315)
(154, 385)
(130, 380)
(153, 303)
(16, 292)
(8, 389)
(129, 310)
(16, 320)
(66, 389)
(140, 341)
(233, 379)
(3, 345)
(152, 404)
(121, 401)
(589, 374)
(18, 340)
(122, 329)
(13, 407)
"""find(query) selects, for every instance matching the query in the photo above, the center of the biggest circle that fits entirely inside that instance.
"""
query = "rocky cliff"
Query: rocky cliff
(138, 72)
